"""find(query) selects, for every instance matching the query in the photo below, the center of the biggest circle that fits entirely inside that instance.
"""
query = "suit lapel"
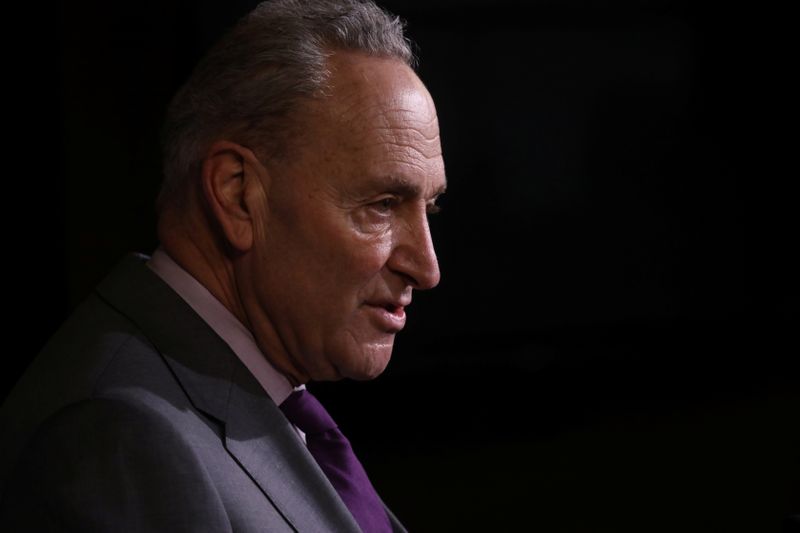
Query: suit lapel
(285, 477)
(397, 527)
(257, 434)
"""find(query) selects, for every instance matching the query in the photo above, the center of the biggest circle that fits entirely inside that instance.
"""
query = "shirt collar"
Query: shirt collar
(224, 323)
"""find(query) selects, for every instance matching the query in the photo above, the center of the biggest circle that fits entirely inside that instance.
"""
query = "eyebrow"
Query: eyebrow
(402, 186)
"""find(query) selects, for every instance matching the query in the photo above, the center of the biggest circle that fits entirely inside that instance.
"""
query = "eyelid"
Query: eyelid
(378, 204)
(433, 207)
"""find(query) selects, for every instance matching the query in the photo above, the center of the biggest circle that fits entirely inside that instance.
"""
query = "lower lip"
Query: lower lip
(389, 321)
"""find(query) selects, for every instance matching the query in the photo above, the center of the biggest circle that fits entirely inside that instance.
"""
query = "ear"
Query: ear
(234, 187)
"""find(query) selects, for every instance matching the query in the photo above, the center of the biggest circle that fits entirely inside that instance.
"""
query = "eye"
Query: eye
(432, 207)
(384, 205)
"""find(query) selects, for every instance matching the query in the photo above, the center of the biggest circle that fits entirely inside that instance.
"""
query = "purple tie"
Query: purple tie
(333, 453)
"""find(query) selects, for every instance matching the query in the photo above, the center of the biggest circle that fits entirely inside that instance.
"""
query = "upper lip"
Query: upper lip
(390, 304)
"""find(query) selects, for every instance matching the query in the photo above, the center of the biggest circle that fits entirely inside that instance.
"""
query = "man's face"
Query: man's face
(345, 238)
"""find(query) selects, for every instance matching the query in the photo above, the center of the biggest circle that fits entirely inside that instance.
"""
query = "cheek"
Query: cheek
(368, 255)
(353, 252)
(331, 258)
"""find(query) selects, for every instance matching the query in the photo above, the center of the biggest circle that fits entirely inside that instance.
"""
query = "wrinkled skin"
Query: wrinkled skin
(342, 237)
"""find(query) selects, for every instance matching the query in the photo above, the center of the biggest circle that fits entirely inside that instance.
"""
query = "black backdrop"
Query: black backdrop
(607, 350)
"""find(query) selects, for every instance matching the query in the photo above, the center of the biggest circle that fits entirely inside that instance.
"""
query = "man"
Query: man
(302, 159)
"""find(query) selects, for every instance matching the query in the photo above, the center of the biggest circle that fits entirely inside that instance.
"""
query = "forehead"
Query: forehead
(360, 82)
(379, 117)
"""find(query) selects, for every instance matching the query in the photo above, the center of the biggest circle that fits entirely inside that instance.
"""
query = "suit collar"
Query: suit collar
(257, 434)
(223, 322)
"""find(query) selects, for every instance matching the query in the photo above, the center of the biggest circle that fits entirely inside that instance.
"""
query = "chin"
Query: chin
(368, 364)
(371, 373)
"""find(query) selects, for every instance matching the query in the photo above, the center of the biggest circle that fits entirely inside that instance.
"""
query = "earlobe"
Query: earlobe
(233, 191)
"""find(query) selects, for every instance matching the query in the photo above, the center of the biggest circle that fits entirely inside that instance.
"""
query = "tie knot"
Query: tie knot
(304, 411)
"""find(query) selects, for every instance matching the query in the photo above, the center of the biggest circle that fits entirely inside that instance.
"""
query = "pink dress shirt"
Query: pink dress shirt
(225, 324)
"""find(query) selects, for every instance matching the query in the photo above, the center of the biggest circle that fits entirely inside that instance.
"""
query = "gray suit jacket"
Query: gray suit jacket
(136, 416)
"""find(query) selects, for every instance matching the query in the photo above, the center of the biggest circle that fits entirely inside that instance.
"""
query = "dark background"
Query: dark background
(609, 347)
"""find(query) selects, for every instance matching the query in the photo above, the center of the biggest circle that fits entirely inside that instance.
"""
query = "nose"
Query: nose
(414, 257)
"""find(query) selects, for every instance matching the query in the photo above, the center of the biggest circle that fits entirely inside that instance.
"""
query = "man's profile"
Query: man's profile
(301, 160)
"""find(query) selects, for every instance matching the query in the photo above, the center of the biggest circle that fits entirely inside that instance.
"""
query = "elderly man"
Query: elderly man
(302, 159)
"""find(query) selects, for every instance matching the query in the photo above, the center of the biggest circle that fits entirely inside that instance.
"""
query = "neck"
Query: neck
(195, 253)
(200, 253)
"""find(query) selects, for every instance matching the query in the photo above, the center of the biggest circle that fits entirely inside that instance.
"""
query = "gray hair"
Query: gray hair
(248, 86)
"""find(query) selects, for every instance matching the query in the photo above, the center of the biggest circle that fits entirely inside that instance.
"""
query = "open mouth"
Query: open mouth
(387, 316)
